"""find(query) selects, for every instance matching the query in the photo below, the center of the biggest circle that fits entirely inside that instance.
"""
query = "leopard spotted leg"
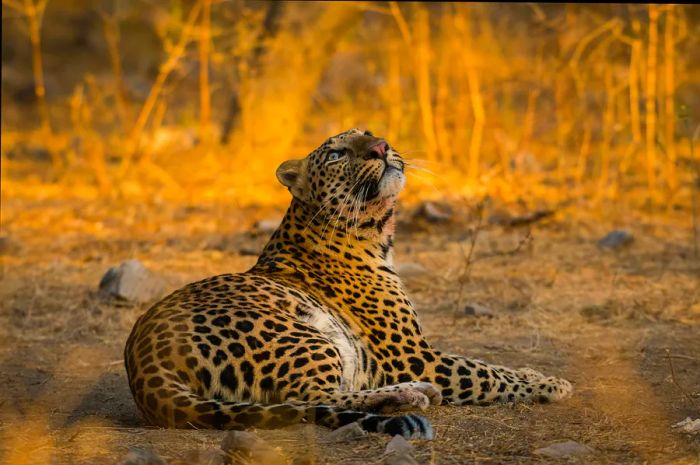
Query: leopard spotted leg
(398, 397)
(465, 381)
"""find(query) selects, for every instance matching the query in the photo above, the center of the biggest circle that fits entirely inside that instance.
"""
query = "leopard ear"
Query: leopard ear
(289, 174)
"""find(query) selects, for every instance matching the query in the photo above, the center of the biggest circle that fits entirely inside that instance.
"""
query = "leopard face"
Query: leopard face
(352, 171)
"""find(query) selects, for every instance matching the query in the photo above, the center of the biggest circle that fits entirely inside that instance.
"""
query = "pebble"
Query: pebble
(473, 309)
(434, 212)
(564, 449)
(244, 447)
(133, 282)
(616, 239)
(140, 456)
(267, 225)
(398, 452)
(409, 269)
(349, 432)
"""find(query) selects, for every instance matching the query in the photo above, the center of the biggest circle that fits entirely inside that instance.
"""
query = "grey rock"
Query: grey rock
(242, 447)
(398, 452)
(349, 432)
(398, 445)
(616, 239)
(564, 449)
(688, 426)
(410, 269)
(141, 456)
(473, 309)
(204, 457)
(267, 225)
(9, 246)
(434, 212)
(131, 281)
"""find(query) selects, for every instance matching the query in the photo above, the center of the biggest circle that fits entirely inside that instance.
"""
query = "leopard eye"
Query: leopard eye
(334, 156)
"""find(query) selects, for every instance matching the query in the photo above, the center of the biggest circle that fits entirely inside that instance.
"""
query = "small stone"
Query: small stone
(473, 309)
(410, 269)
(564, 449)
(688, 426)
(398, 452)
(141, 456)
(398, 445)
(203, 457)
(248, 252)
(267, 225)
(349, 432)
(131, 281)
(616, 239)
(434, 212)
(242, 447)
(8, 246)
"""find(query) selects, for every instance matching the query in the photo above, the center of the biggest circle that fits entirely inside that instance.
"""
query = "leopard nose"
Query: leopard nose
(378, 150)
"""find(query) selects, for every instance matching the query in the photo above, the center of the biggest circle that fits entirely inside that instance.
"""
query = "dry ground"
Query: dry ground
(604, 320)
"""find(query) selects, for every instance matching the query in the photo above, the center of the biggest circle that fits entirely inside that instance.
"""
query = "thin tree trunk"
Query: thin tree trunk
(394, 98)
(35, 13)
(479, 118)
(204, 93)
(651, 99)
(113, 38)
(443, 92)
(422, 73)
(669, 85)
(165, 69)
(635, 65)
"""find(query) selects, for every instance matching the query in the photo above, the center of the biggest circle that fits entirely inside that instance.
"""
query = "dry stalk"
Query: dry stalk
(652, 52)
(669, 87)
(33, 11)
(204, 93)
(166, 68)
(110, 28)
(675, 381)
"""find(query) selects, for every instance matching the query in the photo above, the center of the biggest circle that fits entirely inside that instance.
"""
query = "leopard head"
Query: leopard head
(351, 175)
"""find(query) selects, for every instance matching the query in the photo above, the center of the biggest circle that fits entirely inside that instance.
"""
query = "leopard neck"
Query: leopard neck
(306, 235)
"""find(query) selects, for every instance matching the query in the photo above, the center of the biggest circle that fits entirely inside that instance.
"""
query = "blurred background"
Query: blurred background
(200, 100)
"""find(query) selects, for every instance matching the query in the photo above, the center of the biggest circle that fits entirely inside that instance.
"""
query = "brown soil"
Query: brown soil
(605, 320)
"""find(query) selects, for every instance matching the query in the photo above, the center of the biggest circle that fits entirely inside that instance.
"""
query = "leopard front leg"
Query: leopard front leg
(398, 397)
(463, 381)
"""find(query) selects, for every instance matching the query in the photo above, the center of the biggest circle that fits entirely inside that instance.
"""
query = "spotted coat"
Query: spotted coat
(321, 328)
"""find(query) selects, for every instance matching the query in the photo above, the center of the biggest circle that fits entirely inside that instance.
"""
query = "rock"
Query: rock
(688, 426)
(141, 456)
(473, 309)
(242, 447)
(616, 239)
(349, 432)
(398, 445)
(502, 218)
(410, 269)
(248, 252)
(267, 225)
(434, 212)
(9, 246)
(203, 457)
(398, 452)
(131, 281)
(564, 449)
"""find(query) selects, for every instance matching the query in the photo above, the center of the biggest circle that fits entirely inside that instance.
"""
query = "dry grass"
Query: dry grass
(604, 320)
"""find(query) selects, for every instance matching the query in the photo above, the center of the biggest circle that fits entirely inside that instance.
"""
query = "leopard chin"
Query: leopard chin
(392, 182)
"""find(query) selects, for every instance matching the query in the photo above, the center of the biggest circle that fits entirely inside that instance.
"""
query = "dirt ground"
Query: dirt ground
(623, 326)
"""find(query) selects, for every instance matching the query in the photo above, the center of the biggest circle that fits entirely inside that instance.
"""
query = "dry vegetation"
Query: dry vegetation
(150, 130)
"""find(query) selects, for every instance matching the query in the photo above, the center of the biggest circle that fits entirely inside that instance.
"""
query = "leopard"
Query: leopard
(321, 329)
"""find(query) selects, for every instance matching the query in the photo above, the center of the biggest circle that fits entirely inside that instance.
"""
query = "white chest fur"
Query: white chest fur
(342, 338)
